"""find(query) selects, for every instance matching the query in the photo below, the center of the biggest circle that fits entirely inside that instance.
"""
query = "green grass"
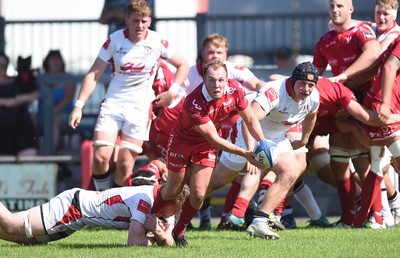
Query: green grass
(300, 242)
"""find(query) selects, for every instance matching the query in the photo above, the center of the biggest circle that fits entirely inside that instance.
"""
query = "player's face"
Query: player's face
(340, 11)
(384, 19)
(215, 81)
(138, 26)
(212, 52)
(302, 89)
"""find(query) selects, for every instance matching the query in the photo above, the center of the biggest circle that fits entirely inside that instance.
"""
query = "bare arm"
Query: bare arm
(257, 113)
(137, 235)
(308, 126)
(162, 231)
(182, 69)
(389, 74)
(371, 52)
(253, 83)
(209, 132)
(88, 85)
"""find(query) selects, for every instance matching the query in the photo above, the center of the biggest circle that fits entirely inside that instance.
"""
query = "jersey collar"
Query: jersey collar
(207, 95)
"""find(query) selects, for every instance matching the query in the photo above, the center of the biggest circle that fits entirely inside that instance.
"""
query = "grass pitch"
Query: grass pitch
(301, 242)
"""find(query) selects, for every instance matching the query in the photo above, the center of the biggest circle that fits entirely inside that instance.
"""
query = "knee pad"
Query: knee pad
(319, 161)
(378, 161)
(300, 150)
(27, 224)
(130, 146)
(395, 149)
(339, 155)
(102, 143)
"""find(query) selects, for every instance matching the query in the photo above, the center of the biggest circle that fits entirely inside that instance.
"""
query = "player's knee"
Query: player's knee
(131, 146)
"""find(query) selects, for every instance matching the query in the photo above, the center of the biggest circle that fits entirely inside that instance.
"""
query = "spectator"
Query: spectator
(54, 64)
(17, 132)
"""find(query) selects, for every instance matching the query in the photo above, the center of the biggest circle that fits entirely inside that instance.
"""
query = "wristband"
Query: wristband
(79, 103)
(174, 88)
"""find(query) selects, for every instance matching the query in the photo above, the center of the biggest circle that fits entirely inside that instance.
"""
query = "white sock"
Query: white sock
(386, 212)
(395, 202)
(305, 197)
(103, 184)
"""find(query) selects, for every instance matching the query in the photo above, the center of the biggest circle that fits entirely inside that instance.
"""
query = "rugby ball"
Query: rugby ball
(267, 153)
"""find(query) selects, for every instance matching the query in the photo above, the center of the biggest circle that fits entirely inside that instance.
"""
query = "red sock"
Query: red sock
(264, 185)
(376, 209)
(240, 207)
(347, 194)
(230, 199)
(187, 214)
(370, 191)
(231, 196)
(158, 202)
(279, 210)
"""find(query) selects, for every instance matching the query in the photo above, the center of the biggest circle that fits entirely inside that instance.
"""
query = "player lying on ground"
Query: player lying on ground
(116, 208)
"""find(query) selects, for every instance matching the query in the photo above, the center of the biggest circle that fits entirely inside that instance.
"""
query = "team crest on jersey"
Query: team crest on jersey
(231, 90)
(271, 94)
(196, 106)
(368, 35)
(143, 206)
(165, 43)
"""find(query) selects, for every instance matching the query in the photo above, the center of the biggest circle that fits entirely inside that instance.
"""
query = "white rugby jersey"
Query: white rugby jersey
(133, 65)
(194, 78)
(382, 37)
(116, 207)
(283, 112)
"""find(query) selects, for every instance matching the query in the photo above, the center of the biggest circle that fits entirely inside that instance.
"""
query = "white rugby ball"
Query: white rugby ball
(267, 153)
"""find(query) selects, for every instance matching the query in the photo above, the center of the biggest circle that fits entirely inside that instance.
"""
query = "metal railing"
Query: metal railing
(254, 35)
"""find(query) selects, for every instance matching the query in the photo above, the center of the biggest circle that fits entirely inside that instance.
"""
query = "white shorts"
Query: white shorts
(63, 207)
(133, 120)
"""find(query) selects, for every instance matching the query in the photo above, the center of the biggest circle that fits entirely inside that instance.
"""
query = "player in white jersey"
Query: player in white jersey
(279, 105)
(133, 54)
(116, 208)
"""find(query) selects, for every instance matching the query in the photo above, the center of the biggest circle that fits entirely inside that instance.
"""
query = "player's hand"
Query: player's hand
(75, 117)
(249, 155)
(384, 113)
(153, 224)
(340, 78)
(251, 169)
(164, 99)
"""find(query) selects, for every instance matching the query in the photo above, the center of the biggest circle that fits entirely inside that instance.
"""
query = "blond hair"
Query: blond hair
(217, 40)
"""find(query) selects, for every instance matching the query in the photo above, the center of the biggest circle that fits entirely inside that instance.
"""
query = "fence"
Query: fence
(254, 35)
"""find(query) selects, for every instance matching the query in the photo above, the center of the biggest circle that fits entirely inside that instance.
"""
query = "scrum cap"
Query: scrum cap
(306, 72)
(151, 167)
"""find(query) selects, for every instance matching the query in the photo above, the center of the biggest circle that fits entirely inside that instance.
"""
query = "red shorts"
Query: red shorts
(380, 132)
(182, 153)
(158, 143)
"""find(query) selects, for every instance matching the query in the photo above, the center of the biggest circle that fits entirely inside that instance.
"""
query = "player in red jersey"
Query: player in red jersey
(349, 48)
(117, 208)
(383, 97)
(194, 140)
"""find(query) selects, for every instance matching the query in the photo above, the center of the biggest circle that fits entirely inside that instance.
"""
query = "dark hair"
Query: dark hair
(52, 53)
(305, 72)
